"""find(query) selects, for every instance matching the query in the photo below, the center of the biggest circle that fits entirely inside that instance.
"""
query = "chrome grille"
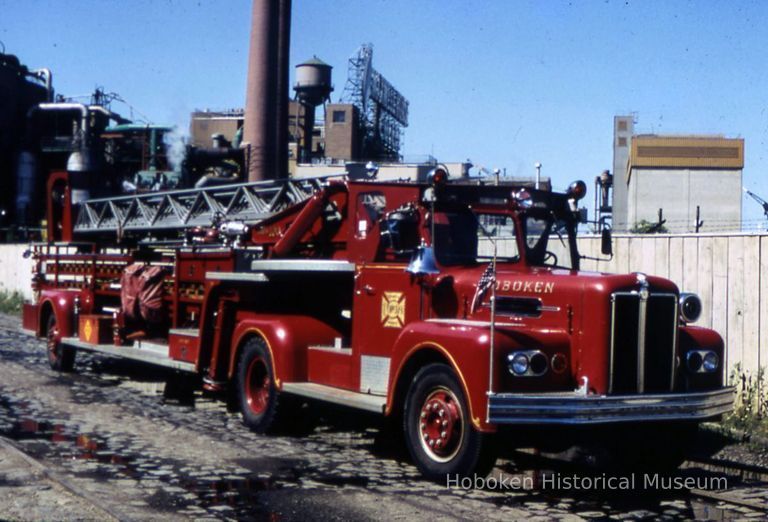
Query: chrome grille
(643, 342)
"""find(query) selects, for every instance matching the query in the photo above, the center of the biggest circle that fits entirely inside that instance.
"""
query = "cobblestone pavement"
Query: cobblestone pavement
(139, 443)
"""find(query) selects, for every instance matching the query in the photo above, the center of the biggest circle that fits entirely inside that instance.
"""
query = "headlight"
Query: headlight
(702, 361)
(690, 307)
(711, 362)
(518, 363)
(529, 363)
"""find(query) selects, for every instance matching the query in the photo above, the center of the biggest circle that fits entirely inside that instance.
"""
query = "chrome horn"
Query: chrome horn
(423, 262)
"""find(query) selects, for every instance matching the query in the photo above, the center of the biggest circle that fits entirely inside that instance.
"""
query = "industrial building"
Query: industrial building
(695, 181)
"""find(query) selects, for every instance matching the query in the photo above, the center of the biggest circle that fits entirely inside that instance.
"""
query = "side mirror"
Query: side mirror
(606, 242)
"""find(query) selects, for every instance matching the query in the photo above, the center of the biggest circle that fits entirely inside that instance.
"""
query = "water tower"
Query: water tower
(313, 87)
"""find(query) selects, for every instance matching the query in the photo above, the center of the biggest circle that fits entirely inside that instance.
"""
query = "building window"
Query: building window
(622, 125)
(622, 142)
(339, 116)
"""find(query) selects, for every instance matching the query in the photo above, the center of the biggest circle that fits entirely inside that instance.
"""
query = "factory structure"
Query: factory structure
(678, 183)
(681, 183)
(360, 134)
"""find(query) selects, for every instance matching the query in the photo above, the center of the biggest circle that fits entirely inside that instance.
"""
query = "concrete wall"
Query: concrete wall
(678, 191)
(623, 128)
(15, 271)
(728, 272)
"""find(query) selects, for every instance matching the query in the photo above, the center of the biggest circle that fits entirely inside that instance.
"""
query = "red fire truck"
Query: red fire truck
(456, 309)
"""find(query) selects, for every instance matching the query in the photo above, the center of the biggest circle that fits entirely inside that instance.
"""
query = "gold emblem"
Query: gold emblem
(88, 330)
(393, 309)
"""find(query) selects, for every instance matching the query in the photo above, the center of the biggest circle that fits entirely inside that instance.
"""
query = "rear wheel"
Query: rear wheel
(438, 429)
(258, 395)
(61, 358)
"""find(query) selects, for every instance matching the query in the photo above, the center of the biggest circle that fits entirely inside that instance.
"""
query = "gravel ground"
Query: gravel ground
(136, 443)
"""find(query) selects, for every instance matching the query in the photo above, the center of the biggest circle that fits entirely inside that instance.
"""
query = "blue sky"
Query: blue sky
(504, 83)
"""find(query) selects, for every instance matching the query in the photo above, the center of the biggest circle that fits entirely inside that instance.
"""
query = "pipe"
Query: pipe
(64, 107)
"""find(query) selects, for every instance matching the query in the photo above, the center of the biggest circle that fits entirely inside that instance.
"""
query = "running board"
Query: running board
(361, 401)
(149, 354)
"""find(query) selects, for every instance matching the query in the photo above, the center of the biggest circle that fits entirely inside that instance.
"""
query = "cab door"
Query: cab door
(386, 299)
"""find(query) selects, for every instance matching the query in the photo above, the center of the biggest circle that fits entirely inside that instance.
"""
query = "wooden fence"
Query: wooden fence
(726, 271)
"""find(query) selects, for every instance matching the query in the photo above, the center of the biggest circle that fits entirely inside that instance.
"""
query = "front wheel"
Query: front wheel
(61, 358)
(438, 429)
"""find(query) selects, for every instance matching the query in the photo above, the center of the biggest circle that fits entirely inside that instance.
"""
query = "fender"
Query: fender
(287, 337)
(63, 303)
(693, 337)
(466, 349)
(465, 346)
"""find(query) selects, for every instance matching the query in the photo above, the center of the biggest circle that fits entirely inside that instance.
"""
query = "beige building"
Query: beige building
(677, 174)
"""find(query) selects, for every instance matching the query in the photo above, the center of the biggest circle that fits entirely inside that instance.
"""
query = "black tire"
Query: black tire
(257, 394)
(438, 428)
(61, 358)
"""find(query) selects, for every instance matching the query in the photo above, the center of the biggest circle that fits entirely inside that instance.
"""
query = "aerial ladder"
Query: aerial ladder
(168, 214)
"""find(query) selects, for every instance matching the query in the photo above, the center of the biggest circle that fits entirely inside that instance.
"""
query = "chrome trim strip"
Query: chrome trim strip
(612, 346)
(245, 277)
(469, 322)
(575, 409)
(675, 340)
(642, 319)
(301, 265)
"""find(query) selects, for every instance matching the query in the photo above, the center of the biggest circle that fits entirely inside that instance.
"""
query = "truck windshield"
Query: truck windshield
(546, 241)
(463, 238)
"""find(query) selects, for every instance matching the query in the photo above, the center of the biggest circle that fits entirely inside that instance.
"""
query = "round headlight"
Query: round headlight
(690, 307)
(711, 362)
(518, 363)
(694, 361)
(539, 363)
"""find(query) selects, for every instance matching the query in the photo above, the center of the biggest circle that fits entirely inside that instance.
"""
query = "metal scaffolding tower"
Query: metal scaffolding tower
(383, 110)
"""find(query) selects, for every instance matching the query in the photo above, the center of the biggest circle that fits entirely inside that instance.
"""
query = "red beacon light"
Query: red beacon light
(577, 190)
(437, 176)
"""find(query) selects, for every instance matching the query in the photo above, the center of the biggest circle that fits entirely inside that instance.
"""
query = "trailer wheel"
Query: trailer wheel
(256, 386)
(61, 358)
(438, 429)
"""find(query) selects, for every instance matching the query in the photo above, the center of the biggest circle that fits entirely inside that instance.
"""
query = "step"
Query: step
(361, 401)
(145, 351)
(186, 332)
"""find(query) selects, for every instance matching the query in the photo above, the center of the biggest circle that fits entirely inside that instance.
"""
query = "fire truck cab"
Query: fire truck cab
(458, 309)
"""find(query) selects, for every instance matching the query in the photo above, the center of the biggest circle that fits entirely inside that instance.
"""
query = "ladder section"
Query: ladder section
(188, 208)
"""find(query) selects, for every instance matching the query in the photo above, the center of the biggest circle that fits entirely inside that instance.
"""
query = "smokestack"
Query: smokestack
(283, 62)
(262, 100)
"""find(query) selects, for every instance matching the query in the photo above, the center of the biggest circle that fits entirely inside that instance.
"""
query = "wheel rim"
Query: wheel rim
(441, 426)
(257, 386)
(53, 342)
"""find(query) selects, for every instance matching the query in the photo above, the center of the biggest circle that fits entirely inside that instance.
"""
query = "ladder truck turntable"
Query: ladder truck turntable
(456, 309)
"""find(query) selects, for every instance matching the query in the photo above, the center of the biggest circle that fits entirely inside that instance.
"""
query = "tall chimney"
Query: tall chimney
(282, 87)
(259, 126)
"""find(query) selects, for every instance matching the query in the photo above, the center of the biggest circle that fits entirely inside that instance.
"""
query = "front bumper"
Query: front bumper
(578, 409)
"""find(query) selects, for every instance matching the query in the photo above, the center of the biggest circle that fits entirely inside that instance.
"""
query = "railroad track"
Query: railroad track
(744, 473)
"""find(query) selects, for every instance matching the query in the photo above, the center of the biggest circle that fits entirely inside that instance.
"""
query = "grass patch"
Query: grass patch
(750, 413)
(10, 302)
